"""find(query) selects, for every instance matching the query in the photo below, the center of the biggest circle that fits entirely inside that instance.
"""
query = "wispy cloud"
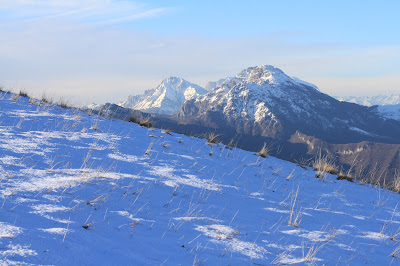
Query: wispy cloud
(145, 14)
(18, 12)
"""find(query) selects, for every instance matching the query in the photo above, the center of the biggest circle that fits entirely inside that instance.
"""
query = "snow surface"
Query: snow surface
(389, 111)
(128, 195)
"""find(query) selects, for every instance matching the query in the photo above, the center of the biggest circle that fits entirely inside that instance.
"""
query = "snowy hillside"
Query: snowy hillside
(372, 100)
(390, 111)
(80, 190)
(167, 98)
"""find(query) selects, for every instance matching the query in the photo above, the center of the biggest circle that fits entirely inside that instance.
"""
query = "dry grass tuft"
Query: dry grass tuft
(147, 152)
(324, 164)
(396, 182)
(144, 122)
(395, 252)
(23, 94)
(63, 103)
(264, 151)
(45, 99)
(31, 101)
(166, 131)
(14, 97)
(212, 137)
(86, 226)
(344, 176)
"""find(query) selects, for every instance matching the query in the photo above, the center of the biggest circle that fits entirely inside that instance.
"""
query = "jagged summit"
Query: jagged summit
(264, 75)
(166, 98)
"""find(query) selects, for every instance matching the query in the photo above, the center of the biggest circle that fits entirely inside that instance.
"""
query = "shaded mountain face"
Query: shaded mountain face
(166, 98)
(265, 101)
(389, 111)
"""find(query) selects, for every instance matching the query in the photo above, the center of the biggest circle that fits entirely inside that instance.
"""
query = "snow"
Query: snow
(166, 98)
(388, 105)
(361, 131)
(75, 198)
(252, 94)
(382, 100)
(390, 111)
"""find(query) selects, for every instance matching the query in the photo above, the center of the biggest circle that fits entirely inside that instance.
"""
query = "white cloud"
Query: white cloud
(88, 11)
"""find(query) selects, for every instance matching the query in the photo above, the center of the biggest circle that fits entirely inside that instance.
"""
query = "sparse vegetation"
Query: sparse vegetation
(264, 151)
(343, 176)
(138, 119)
(31, 101)
(294, 218)
(23, 94)
(167, 131)
(395, 252)
(45, 99)
(212, 137)
(14, 97)
(322, 164)
(396, 182)
(63, 103)
(86, 226)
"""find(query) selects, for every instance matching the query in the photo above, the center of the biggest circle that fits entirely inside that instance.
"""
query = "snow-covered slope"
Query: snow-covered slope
(249, 93)
(167, 98)
(83, 190)
(389, 111)
(372, 100)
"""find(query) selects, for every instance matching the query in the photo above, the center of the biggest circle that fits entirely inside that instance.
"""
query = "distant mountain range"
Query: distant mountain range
(388, 105)
(264, 105)
(393, 99)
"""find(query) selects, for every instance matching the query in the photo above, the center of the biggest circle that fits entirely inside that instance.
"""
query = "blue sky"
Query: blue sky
(104, 50)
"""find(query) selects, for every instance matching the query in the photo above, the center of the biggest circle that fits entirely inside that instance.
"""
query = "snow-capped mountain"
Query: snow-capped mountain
(214, 84)
(263, 104)
(264, 100)
(166, 98)
(372, 100)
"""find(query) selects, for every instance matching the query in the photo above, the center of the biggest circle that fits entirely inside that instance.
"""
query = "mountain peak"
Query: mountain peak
(173, 79)
(166, 98)
(268, 75)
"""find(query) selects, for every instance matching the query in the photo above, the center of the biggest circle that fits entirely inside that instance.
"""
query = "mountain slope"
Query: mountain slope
(389, 111)
(166, 98)
(265, 101)
(78, 189)
(263, 104)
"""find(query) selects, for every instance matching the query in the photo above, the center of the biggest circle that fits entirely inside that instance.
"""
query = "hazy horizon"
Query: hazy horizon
(104, 50)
